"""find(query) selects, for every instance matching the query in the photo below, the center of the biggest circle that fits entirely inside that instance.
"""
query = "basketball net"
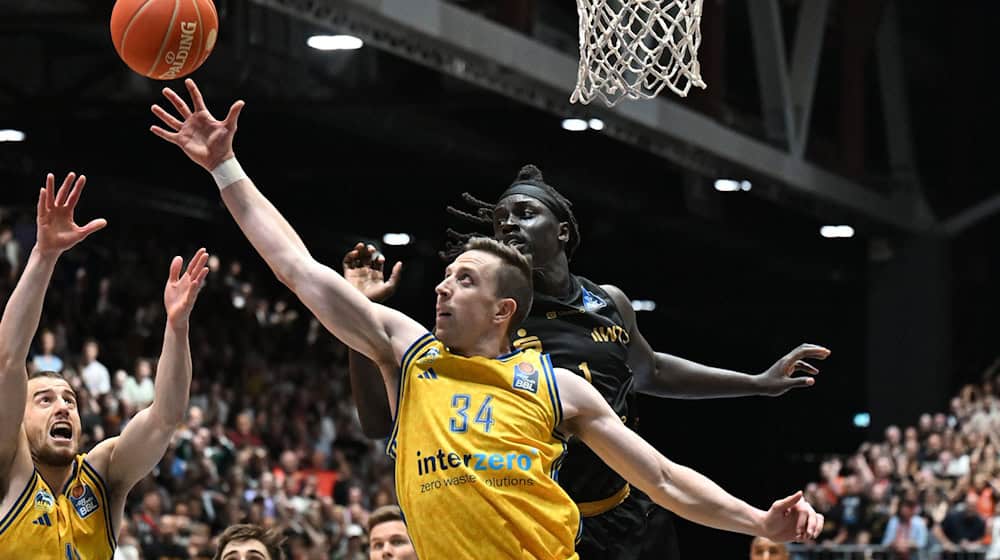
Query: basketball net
(635, 48)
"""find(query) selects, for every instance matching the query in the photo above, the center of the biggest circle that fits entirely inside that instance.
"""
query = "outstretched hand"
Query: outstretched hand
(792, 519)
(206, 140)
(182, 289)
(363, 268)
(778, 379)
(57, 229)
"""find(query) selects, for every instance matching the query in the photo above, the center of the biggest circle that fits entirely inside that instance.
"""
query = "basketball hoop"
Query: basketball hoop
(635, 48)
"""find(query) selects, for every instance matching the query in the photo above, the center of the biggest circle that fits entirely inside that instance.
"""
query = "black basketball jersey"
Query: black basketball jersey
(586, 334)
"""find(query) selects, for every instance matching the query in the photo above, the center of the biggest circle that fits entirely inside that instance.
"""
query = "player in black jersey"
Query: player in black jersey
(591, 330)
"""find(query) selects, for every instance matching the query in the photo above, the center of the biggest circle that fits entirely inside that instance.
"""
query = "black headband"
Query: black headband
(540, 194)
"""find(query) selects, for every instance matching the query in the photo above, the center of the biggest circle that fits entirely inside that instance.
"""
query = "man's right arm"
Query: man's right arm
(17, 328)
(57, 232)
(378, 332)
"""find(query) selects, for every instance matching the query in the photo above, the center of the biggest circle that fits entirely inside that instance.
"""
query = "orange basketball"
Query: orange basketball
(164, 39)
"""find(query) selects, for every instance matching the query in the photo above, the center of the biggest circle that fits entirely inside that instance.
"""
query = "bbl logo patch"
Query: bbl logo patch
(83, 500)
(44, 502)
(526, 377)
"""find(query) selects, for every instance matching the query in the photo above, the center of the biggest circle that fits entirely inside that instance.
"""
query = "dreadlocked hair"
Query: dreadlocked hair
(481, 219)
(480, 216)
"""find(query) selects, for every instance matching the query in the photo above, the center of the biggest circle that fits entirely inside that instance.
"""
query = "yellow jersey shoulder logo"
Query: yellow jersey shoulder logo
(428, 357)
(44, 502)
(83, 499)
(525, 377)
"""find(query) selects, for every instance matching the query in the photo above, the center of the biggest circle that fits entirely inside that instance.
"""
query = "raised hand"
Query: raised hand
(206, 140)
(363, 268)
(778, 378)
(57, 230)
(792, 519)
(182, 290)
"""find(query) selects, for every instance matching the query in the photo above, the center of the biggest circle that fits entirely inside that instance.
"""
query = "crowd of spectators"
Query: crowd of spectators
(926, 490)
(271, 436)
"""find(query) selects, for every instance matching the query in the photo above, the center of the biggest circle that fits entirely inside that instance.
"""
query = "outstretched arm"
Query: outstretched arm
(378, 332)
(363, 269)
(125, 459)
(665, 375)
(57, 232)
(675, 487)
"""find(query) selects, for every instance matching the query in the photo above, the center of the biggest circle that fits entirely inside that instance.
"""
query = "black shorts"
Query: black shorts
(637, 529)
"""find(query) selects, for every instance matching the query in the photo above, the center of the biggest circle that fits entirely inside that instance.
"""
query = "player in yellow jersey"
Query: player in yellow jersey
(479, 430)
(57, 503)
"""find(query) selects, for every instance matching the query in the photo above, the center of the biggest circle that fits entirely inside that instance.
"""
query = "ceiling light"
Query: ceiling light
(575, 125)
(335, 42)
(396, 239)
(836, 232)
(11, 135)
(732, 185)
(643, 305)
(596, 124)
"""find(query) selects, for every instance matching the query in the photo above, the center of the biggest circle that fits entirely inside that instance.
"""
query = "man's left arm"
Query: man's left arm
(126, 459)
(665, 375)
(680, 489)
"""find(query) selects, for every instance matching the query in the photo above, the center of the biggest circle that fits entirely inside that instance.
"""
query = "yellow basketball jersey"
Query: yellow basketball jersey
(477, 456)
(72, 525)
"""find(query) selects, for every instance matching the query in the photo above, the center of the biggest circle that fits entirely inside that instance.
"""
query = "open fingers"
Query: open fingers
(93, 226)
(197, 271)
(806, 367)
(63, 193)
(394, 275)
(41, 203)
(811, 351)
(177, 102)
(74, 195)
(168, 136)
(45, 198)
(234, 114)
(197, 262)
(175, 268)
(200, 278)
(196, 98)
(166, 117)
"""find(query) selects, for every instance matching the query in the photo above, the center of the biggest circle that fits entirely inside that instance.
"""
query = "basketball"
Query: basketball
(164, 39)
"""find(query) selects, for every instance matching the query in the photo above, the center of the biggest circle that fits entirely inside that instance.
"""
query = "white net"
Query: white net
(635, 48)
